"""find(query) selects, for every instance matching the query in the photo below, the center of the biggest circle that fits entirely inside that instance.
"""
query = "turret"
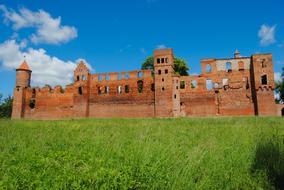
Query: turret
(23, 78)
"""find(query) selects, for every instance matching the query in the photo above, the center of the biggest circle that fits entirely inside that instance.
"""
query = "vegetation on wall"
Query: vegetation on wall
(180, 65)
(5, 106)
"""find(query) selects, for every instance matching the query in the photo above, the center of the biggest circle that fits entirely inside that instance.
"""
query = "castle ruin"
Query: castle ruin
(226, 87)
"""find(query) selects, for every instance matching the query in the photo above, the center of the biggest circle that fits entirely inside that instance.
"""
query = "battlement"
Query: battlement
(162, 52)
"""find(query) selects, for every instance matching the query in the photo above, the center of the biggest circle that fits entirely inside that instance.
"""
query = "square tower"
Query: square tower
(167, 97)
(263, 84)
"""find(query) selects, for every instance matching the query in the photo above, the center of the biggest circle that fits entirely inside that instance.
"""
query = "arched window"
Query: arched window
(209, 84)
(126, 88)
(159, 72)
(80, 90)
(166, 71)
(78, 77)
(228, 66)
(119, 89)
(140, 86)
(99, 90)
(182, 84)
(119, 77)
(107, 76)
(126, 76)
(216, 85)
(208, 68)
(193, 84)
(158, 60)
(140, 74)
(84, 77)
(106, 89)
(264, 79)
(100, 78)
(167, 60)
(163, 60)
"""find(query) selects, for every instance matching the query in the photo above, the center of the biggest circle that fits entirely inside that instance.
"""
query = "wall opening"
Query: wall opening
(158, 60)
(208, 68)
(119, 89)
(84, 77)
(99, 90)
(166, 71)
(166, 60)
(163, 88)
(126, 89)
(175, 96)
(140, 86)
(229, 67)
(119, 76)
(263, 63)
(159, 72)
(282, 112)
(216, 85)
(126, 76)
(152, 87)
(264, 79)
(107, 77)
(163, 60)
(163, 79)
(194, 84)
(140, 74)
(209, 84)
(80, 90)
(100, 78)
(182, 84)
(78, 78)
(32, 103)
(106, 89)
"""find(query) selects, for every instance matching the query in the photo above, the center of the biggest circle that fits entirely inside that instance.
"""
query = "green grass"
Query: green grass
(195, 153)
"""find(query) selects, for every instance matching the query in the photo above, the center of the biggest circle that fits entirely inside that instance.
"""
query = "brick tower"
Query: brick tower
(262, 77)
(167, 97)
(23, 77)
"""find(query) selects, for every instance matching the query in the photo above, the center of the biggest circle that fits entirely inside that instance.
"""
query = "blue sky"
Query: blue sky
(114, 35)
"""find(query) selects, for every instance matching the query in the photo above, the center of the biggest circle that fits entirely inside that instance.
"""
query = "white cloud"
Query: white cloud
(48, 30)
(161, 46)
(277, 77)
(267, 35)
(46, 69)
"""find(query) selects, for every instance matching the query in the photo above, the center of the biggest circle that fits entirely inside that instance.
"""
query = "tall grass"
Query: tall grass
(207, 153)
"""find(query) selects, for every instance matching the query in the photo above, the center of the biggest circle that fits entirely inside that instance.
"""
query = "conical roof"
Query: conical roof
(24, 66)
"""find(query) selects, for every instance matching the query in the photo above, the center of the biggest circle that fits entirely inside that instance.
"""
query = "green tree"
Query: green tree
(280, 87)
(5, 106)
(180, 65)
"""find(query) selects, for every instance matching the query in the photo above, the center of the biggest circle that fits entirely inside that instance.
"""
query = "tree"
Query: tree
(280, 87)
(180, 65)
(5, 107)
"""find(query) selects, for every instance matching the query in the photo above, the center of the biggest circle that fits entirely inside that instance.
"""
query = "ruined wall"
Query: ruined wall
(233, 86)
(126, 94)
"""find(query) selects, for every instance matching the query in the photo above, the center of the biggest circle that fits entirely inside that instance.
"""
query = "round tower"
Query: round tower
(23, 75)
(23, 78)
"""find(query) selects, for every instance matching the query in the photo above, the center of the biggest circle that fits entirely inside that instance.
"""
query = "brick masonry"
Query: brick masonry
(226, 87)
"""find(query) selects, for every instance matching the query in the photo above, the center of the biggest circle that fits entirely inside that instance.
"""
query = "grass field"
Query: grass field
(195, 153)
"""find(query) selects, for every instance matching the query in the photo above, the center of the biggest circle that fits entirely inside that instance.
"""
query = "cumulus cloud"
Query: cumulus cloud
(46, 69)
(161, 46)
(267, 35)
(47, 29)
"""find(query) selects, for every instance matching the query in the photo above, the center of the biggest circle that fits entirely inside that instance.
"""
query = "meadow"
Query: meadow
(185, 153)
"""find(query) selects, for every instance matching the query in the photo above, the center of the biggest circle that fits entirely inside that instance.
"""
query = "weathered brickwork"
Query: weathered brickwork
(231, 86)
